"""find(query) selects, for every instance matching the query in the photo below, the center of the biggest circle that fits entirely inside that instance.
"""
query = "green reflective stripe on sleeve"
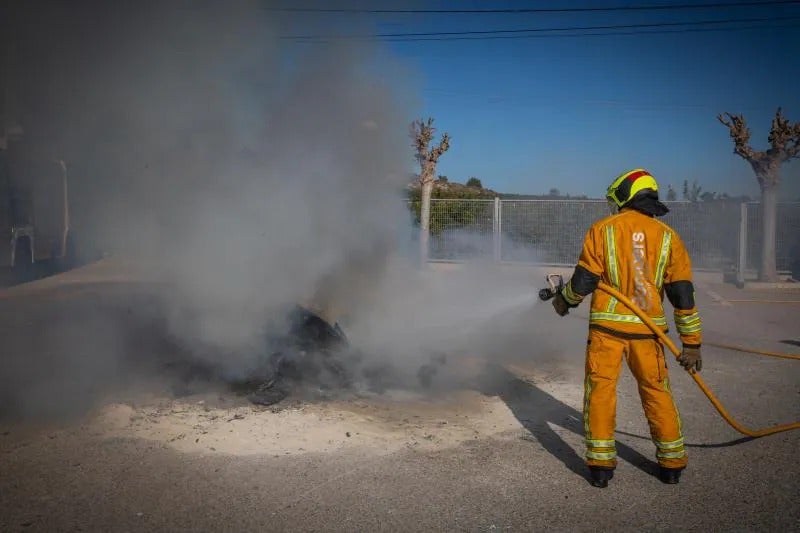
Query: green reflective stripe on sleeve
(666, 242)
(670, 455)
(611, 256)
(570, 296)
(669, 445)
(612, 304)
(630, 319)
(598, 443)
(601, 456)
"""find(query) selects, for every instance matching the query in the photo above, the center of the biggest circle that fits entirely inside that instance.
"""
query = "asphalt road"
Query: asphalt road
(57, 475)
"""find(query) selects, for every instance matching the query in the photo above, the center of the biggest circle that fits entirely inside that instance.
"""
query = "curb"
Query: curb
(768, 285)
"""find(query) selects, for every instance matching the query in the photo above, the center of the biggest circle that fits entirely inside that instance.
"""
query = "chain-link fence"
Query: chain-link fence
(709, 230)
(546, 231)
(787, 247)
(552, 231)
(462, 229)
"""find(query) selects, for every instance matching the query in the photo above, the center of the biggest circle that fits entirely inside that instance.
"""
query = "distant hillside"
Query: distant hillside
(444, 188)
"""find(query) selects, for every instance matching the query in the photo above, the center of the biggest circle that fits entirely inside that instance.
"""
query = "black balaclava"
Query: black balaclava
(647, 202)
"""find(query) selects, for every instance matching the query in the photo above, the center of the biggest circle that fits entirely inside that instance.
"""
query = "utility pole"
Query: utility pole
(8, 126)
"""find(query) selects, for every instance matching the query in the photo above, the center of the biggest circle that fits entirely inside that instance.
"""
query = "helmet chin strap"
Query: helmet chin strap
(612, 207)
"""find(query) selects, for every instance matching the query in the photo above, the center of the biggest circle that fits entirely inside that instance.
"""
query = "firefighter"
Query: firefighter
(643, 258)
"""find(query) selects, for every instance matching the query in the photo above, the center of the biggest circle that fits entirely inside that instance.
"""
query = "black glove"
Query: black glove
(690, 358)
(560, 304)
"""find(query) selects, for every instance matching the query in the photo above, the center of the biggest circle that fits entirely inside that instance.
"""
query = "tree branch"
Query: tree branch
(422, 132)
(444, 145)
(784, 138)
(740, 134)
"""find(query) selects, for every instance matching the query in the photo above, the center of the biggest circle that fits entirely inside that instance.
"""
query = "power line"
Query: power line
(594, 34)
(539, 10)
(445, 35)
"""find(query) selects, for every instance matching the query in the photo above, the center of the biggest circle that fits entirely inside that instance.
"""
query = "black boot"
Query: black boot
(670, 476)
(600, 476)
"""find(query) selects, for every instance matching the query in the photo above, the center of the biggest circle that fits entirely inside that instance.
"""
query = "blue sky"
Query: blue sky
(530, 114)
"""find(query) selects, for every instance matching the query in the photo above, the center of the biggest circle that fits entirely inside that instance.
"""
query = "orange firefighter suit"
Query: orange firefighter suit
(644, 259)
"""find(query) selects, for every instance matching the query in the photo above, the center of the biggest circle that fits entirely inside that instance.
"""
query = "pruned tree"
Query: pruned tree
(692, 193)
(422, 133)
(784, 141)
(671, 194)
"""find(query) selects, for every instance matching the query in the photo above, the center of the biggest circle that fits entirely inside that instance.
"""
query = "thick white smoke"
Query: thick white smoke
(245, 173)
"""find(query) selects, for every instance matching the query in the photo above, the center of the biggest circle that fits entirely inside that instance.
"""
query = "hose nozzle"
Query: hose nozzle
(555, 283)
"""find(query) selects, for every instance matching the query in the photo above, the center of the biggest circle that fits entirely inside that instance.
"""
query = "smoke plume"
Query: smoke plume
(242, 172)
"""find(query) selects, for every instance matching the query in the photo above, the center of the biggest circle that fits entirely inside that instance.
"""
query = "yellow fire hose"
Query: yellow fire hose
(697, 379)
(758, 352)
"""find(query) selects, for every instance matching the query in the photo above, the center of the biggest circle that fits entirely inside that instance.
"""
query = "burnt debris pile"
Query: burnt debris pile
(312, 357)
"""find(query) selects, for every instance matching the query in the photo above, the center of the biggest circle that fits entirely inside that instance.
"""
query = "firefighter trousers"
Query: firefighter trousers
(646, 361)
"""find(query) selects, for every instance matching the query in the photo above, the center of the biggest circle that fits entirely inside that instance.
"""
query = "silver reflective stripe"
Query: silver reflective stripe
(666, 241)
(631, 319)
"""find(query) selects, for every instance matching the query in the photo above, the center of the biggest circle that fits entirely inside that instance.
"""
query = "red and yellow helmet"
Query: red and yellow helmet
(628, 185)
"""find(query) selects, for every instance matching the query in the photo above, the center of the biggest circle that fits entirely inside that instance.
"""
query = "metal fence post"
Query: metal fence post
(497, 229)
(742, 244)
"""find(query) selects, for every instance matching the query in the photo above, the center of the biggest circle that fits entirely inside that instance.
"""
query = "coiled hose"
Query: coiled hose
(697, 379)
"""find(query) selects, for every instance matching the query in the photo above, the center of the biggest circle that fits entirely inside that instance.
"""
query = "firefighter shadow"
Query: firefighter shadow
(535, 409)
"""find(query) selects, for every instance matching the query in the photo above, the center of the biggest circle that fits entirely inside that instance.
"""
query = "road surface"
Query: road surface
(92, 439)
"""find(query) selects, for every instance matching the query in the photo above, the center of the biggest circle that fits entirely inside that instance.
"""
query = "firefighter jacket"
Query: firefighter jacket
(643, 258)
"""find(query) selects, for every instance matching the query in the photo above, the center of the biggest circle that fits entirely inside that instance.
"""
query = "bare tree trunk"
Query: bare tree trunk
(422, 132)
(425, 221)
(769, 215)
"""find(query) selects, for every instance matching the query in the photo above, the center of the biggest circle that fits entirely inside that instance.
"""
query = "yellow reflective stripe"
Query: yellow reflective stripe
(692, 325)
(687, 320)
(686, 324)
(611, 256)
(601, 456)
(631, 319)
(666, 241)
(674, 406)
(570, 296)
(671, 455)
(669, 445)
(612, 304)
(587, 391)
(598, 443)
